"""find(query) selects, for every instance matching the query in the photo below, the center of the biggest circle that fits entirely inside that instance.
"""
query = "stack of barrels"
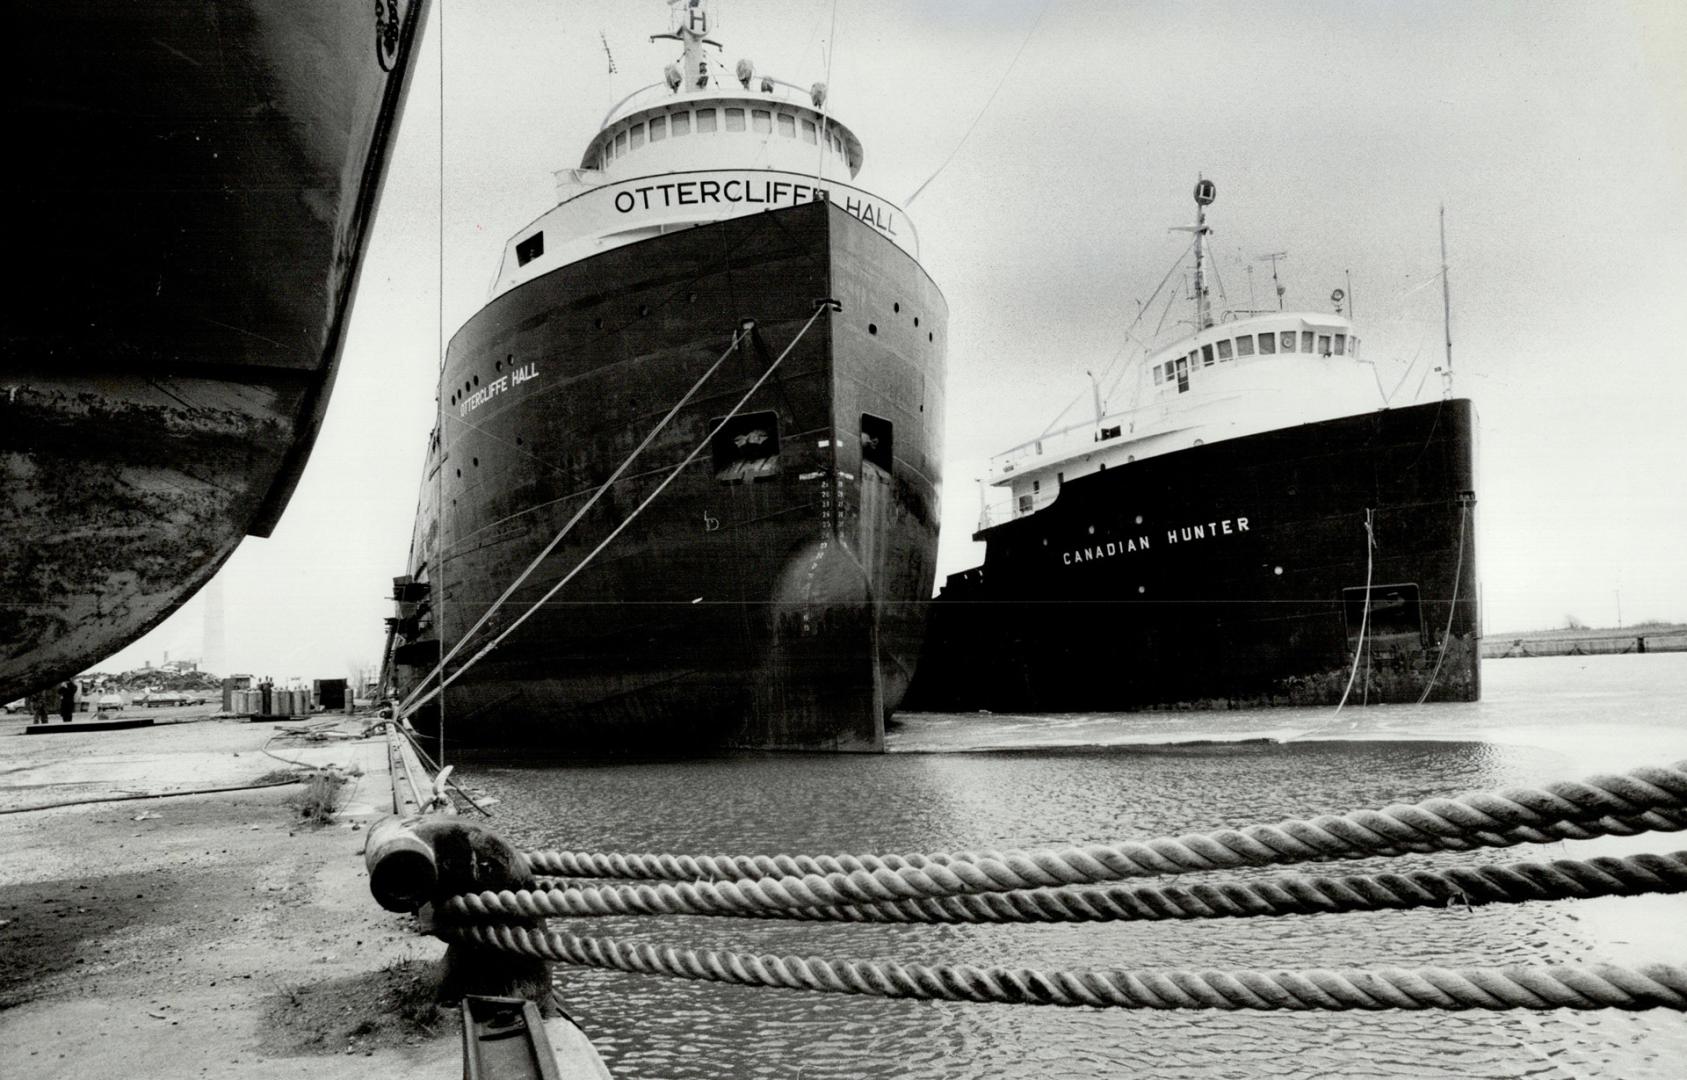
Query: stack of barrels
(274, 702)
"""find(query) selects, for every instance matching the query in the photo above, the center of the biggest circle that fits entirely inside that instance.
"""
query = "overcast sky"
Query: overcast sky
(1555, 133)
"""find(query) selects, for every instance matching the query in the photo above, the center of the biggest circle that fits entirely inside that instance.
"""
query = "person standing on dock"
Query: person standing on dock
(41, 704)
(67, 700)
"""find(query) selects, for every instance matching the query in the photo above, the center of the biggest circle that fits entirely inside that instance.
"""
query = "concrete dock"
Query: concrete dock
(202, 934)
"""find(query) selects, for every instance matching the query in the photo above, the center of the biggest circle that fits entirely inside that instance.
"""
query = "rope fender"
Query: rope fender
(1512, 883)
(1602, 986)
(1645, 799)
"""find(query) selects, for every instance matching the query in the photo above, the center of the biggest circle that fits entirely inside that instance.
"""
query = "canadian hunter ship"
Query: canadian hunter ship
(193, 190)
(1257, 527)
(694, 435)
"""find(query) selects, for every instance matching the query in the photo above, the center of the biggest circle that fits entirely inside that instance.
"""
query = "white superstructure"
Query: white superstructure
(707, 143)
(1240, 376)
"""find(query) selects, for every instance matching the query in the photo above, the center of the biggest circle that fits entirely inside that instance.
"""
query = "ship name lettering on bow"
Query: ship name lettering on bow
(749, 191)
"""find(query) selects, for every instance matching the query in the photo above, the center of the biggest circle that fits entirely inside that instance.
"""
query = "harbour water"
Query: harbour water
(976, 782)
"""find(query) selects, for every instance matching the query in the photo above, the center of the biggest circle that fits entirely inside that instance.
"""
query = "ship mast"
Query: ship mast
(691, 28)
(1446, 310)
(1205, 192)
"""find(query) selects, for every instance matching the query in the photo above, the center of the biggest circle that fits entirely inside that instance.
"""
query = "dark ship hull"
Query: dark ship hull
(197, 193)
(1232, 574)
(773, 596)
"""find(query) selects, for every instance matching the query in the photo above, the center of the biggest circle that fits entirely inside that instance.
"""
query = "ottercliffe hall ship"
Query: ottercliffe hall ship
(710, 258)
(192, 191)
(1256, 527)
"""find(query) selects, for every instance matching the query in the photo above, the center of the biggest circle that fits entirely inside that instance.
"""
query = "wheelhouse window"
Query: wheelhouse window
(1288, 341)
(1224, 350)
(735, 119)
(1206, 356)
(1341, 344)
(658, 128)
(620, 144)
(1353, 346)
(810, 133)
(787, 125)
(1306, 341)
(1267, 344)
(1159, 375)
(680, 122)
(762, 121)
(705, 121)
(638, 136)
(1323, 344)
(529, 249)
(1245, 346)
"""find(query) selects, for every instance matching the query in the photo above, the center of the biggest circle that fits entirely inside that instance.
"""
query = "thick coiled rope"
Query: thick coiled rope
(1646, 799)
(1512, 883)
(1596, 987)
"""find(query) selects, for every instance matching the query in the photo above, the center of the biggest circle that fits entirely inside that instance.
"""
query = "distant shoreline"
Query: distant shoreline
(1586, 641)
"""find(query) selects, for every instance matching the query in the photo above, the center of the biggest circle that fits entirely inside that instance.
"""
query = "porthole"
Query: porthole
(1278, 570)
(518, 440)
(477, 380)
(643, 310)
(872, 328)
(692, 299)
(459, 474)
(476, 462)
(497, 365)
(1139, 519)
(929, 337)
(1140, 589)
(1045, 541)
(897, 307)
(1092, 530)
(916, 320)
(597, 324)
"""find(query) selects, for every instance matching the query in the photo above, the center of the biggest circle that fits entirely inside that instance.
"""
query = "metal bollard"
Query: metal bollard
(403, 874)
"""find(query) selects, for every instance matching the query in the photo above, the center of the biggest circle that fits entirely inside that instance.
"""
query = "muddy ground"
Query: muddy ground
(201, 935)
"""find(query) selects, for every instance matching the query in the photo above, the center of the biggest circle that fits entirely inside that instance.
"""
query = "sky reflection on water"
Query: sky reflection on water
(982, 782)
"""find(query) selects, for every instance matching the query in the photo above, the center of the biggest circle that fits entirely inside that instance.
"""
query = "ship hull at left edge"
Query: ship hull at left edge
(200, 186)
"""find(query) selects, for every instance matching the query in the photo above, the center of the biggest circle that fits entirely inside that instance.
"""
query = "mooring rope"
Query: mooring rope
(1512, 883)
(1365, 613)
(416, 702)
(1602, 986)
(1644, 799)
(409, 705)
(1452, 606)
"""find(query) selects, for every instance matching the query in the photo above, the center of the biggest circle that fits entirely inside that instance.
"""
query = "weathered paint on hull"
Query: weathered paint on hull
(1229, 575)
(783, 611)
(201, 184)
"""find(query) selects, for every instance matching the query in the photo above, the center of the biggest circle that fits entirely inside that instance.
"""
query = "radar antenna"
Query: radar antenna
(1273, 258)
(606, 52)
